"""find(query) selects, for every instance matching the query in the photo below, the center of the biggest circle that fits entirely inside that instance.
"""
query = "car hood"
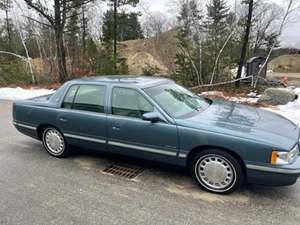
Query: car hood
(243, 121)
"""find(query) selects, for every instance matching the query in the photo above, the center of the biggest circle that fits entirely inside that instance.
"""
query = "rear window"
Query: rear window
(86, 98)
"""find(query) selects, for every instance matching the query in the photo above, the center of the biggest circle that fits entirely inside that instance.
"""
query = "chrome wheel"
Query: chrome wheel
(54, 141)
(215, 172)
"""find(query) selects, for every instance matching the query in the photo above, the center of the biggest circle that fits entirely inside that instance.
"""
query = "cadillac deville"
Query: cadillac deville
(223, 144)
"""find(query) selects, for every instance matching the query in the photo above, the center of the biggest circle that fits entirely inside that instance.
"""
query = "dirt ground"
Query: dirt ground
(294, 78)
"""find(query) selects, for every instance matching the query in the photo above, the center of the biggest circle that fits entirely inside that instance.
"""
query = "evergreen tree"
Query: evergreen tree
(188, 69)
(218, 29)
(129, 27)
(116, 4)
(73, 29)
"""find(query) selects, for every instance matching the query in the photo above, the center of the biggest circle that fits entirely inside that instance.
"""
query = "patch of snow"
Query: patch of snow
(250, 100)
(235, 70)
(22, 94)
(290, 110)
(213, 93)
(252, 95)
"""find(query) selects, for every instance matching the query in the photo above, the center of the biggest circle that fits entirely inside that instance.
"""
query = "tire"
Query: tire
(54, 142)
(217, 171)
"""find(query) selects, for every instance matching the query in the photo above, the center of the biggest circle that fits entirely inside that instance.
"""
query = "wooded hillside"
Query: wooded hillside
(194, 42)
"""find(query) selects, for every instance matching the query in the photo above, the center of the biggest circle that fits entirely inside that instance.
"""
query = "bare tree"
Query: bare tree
(245, 41)
(219, 55)
(153, 22)
(292, 5)
(6, 6)
(265, 19)
(57, 22)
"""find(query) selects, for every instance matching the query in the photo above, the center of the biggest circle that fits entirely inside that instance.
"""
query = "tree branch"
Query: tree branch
(192, 62)
(219, 55)
(34, 20)
(287, 13)
(14, 54)
(41, 10)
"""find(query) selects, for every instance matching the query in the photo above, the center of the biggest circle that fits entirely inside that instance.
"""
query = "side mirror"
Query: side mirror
(152, 117)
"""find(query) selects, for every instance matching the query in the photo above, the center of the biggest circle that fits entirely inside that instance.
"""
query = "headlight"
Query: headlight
(284, 158)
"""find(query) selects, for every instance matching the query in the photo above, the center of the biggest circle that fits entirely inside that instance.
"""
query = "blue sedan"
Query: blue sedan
(223, 144)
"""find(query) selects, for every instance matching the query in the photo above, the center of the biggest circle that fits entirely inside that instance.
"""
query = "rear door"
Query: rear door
(82, 117)
(129, 134)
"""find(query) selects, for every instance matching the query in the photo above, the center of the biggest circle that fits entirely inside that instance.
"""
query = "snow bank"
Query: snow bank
(290, 110)
(251, 99)
(21, 94)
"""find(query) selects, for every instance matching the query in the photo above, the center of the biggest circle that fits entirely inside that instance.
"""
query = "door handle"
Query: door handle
(62, 119)
(116, 128)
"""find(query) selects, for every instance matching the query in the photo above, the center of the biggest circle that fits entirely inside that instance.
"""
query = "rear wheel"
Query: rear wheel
(217, 171)
(54, 142)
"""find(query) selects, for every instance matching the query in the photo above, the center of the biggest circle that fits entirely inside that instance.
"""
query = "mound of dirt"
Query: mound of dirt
(157, 52)
(285, 64)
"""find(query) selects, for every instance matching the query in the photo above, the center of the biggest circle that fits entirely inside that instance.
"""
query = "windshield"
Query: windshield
(176, 100)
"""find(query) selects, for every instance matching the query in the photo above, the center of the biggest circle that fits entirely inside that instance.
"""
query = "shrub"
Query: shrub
(14, 72)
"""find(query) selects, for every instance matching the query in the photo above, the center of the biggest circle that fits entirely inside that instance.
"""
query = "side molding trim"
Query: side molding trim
(85, 138)
(182, 155)
(25, 126)
(119, 144)
(272, 169)
(146, 149)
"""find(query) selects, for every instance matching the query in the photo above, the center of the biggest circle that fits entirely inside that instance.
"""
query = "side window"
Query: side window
(68, 101)
(129, 102)
(90, 98)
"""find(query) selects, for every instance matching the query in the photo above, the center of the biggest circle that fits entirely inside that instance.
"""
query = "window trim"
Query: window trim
(66, 93)
(134, 89)
(78, 110)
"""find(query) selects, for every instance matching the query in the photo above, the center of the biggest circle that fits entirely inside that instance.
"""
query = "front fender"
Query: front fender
(247, 150)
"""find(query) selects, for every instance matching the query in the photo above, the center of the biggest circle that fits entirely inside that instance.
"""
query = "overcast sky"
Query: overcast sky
(290, 36)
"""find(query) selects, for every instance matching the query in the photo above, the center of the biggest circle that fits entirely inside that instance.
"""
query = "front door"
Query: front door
(82, 117)
(129, 134)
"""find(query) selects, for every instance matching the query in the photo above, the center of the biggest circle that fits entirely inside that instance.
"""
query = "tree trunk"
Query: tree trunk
(245, 44)
(61, 55)
(84, 22)
(8, 26)
(115, 32)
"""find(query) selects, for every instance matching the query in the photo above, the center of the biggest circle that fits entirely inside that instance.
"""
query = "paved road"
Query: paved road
(38, 189)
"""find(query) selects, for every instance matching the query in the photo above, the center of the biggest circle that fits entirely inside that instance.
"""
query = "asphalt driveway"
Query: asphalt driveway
(38, 189)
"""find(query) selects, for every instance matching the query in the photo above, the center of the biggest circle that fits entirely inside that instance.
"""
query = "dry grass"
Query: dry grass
(157, 52)
(286, 64)
(31, 86)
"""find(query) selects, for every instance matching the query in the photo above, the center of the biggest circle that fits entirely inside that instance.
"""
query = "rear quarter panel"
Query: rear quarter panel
(34, 114)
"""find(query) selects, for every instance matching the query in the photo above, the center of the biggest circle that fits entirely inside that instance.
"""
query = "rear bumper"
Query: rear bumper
(274, 176)
(27, 129)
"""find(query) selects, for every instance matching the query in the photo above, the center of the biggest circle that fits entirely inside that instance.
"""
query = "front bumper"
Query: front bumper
(273, 175)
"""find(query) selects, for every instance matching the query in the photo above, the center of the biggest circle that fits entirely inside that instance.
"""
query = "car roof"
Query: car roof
(127, 80)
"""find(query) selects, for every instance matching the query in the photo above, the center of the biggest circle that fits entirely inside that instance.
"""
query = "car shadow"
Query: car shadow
(175, 179)
(116, 158)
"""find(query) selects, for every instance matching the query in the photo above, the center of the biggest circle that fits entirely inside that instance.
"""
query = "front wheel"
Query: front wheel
(54, 142)
(217, 171)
